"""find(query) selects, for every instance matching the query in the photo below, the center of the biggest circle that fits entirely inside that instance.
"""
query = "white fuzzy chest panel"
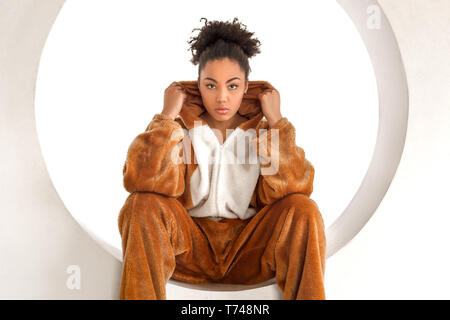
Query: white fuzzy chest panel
(226, 176)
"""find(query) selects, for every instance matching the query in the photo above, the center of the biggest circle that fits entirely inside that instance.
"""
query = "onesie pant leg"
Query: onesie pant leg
(287, 240)
(300, 250)
(156, 231)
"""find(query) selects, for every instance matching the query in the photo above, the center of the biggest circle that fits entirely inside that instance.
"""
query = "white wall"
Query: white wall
(400, 253)
(403, 251)
(38, 240)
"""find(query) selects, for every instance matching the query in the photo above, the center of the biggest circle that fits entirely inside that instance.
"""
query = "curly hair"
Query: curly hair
(218, 39)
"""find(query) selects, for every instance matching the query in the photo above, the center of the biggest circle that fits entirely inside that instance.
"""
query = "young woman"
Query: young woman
(197, 214)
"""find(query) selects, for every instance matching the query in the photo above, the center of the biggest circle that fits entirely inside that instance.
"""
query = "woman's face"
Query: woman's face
(222, 85)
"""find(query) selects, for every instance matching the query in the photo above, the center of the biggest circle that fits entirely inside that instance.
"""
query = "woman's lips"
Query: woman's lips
(222, 110)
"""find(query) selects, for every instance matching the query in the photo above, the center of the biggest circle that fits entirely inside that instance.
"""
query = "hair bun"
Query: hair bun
(231, 32)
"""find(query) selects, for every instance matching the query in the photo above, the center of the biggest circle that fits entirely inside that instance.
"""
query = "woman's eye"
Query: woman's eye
(209, 85)
(234, 85)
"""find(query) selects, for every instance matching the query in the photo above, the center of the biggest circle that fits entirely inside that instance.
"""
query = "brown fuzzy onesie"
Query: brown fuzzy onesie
(167, 231)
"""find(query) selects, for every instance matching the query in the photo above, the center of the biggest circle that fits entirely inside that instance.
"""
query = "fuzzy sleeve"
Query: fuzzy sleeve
(154, 161)
(284, 168)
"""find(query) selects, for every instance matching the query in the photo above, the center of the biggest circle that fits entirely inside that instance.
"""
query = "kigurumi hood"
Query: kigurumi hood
(250, 106)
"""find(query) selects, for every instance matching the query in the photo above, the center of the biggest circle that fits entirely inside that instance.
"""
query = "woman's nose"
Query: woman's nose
(222, 96)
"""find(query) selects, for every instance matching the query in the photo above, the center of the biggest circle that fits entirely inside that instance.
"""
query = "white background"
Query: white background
(401, 252)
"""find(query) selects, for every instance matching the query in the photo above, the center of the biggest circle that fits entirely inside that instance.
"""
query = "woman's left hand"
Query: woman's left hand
(270, 105)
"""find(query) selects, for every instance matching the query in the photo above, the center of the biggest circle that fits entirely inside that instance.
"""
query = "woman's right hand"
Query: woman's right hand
(174, 97)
